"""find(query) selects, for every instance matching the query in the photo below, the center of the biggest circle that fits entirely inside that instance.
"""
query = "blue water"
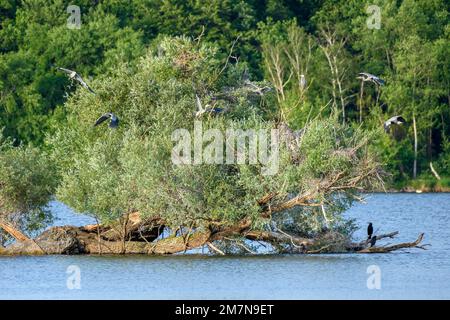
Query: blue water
(411, 274)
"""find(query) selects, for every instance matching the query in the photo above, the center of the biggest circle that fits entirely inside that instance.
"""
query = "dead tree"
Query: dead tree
(333, 48)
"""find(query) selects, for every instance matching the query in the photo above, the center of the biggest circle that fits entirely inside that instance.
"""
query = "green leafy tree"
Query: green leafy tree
(27, 183)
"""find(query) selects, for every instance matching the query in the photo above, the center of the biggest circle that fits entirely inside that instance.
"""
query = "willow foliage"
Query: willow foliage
(106, 173)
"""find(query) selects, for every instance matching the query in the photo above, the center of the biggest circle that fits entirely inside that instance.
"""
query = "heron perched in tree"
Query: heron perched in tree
(245, 76)
(373, 241)
(364, 76)
(369, 231)
(397, 120)
(114, 123)
(302, 82)
(209, 110)
(73, 75)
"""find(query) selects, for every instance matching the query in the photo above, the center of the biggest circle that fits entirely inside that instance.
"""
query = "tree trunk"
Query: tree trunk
(361, 102)
(17, 234)
(415, 147)
(82, 240)
(22, 238)
(404, 245)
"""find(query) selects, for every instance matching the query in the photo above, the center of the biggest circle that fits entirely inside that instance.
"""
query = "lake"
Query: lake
(410, 274)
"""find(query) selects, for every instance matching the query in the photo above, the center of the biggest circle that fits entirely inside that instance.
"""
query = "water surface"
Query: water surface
(411, 274)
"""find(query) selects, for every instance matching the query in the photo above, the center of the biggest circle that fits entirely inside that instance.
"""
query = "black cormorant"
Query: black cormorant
(369, 231)
(373, 241)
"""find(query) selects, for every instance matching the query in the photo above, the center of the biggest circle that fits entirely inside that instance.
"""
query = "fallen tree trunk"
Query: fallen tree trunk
(363, 244)
(101, 239)
(385, 249)
(20, 237)
(17, 234)
(276, 237)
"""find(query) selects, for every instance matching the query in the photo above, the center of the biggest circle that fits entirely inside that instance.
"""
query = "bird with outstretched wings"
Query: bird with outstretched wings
(73, 75)
(208, 110)
(114, 123)
(395, 120)
(364, 76)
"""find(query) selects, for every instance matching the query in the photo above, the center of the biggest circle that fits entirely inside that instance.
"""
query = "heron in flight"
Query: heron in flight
(210, 110)
(73, 75)
(114, 123)
(397, 120)
(364, 76)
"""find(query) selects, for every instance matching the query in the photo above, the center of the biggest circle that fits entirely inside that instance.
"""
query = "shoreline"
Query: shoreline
(410, 190)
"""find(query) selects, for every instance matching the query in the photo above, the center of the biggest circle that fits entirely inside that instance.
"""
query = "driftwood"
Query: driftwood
(20, 237)
(134, 235)
(376, 249)
(278, 237)
(9, 228)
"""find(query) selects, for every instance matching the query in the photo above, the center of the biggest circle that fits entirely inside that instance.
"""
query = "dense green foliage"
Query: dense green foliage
(27, 183)
(106, 173)
(410, 51)
(146, 61)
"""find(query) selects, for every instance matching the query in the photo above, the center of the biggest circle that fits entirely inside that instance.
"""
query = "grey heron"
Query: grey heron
(364, 76)
(397, 120)
(209, 110)
(245, 76)
(302, 82)
(73, 75)
(114, 123)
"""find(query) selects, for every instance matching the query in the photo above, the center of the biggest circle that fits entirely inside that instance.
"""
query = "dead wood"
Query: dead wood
(143, 237)
(376, 249)
(14, 232)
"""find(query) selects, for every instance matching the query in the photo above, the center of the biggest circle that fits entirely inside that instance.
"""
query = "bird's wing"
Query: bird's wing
(80, 80)
(89, 88)
(83, 83)
(68, 71)
(401, 119)
(114, 121)
(387, 124)
(103, 118)
(199, 103)
(378, 80)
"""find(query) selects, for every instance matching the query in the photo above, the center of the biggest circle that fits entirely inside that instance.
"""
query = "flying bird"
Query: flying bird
(364, 76)
(373, 241)
(210, 110)
(73, 75)
(397, 120)
(114, 123)
(369, 231)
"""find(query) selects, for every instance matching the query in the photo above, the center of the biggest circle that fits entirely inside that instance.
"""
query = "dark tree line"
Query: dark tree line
(331, 38)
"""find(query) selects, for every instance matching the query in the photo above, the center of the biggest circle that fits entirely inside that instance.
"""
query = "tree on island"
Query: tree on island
(126, 178)
(27, 183)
